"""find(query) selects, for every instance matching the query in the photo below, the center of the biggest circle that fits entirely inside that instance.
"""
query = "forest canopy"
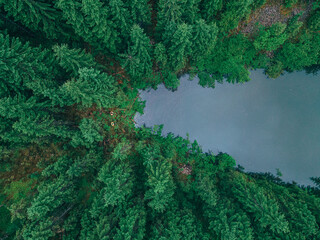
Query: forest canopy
(73, 164)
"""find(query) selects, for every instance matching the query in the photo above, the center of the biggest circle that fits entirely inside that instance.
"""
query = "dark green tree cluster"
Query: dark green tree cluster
(154, 187)
(73, 165)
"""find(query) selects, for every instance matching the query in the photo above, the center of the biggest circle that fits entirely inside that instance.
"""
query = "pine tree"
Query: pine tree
(296, 56)
(169, 12)
(137, 60)
(177, 224)
(190, 11)
(91, 87)
(121, 18)
(205, 80)
(210, 9)
(93, 181)
(229, 59)
(21, 64)
(29, 116)
(302, 223)
(272, 38)
(177, 39)
(41, 231)
(90, 20)
(255, 201)
(122, 150)
(140, 11)
(132, 225)
(51, 196)
(313, 22)
(228, 221)
(160, 185)
(117, 179)
(204, 39)
(204, 180)
(160, 55)
(37, 16)
(89, 134)
(71, 225)
(73, 59)
(275, 69)
(294, 27)
(233, 13)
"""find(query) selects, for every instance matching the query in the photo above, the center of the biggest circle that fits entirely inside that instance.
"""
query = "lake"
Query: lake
(263, 124)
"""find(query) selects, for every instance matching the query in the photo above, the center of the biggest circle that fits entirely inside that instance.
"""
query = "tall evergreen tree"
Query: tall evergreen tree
(137, 60)
(160, 185)
(204, 39)
(73, 59)
(169, 12)
(210, 9)
(91, 87)
(37, 15)
(178, 44)
(90, 20)
(233, 12)
(272, 38)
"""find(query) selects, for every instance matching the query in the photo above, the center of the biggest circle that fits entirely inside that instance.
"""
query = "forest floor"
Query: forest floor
(271, 13)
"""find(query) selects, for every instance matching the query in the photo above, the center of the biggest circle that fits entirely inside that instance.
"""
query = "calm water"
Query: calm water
(264, 124)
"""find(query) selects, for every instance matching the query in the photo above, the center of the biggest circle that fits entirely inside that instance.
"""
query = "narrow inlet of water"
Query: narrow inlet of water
(263, 124)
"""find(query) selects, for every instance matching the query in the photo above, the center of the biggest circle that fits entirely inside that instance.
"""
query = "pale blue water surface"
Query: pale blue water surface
(263, 124)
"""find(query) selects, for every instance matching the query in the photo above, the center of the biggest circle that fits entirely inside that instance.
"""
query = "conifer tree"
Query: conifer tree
(160, 185)
(90, 87)
(314, 20)
(132, 225)
(36, 15)
(204, 39)
(272, 38)
(73, 59)
(294, 27)
(229, 58)
(121, 18)
(27, 117)
(118, 182)
(210, 9)
(296, 56)
(89, 134)
(178, 223)
(226, 221)
(171, 81)
(178, 44)
(255, 201)
(41, 231)
(21, 64)
(205, 80)
(160, 55)
(190, 11)
(140, 11)
(233, 13)
(169, 12)
(90, 20)
(137, 60)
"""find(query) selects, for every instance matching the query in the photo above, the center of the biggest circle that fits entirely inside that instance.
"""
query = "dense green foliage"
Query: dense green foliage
(72, 163)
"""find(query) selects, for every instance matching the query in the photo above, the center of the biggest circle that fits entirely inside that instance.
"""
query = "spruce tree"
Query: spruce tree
(38, 16)
(137, 61)
(73, 59)
(160, 185)
(178, 44)
(272, 38)
(169, 12)
(90, 87)
(90, 20)
(204, 39)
